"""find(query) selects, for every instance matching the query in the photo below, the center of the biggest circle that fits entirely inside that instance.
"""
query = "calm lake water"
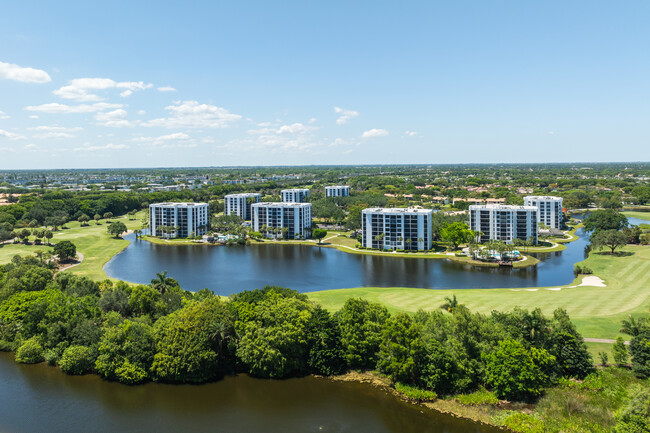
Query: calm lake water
(227, 270)
(38, 398)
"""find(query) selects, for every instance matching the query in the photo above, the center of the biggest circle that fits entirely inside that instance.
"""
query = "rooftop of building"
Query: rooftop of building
(280, 204)
(543, 197)
(397, 210)
(295, 189)
(244, 194)
(501, 207)
(337, 186)
(177, 204)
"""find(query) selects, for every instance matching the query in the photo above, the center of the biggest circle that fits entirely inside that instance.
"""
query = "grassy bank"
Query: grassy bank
(96, 245)
(597, 311)
(640, 215)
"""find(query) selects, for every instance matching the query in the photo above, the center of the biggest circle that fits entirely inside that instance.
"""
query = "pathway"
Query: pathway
(80, 258)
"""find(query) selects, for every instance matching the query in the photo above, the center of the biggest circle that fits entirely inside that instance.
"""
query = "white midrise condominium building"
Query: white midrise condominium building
(549, 209)
(396, 228)
(503, 222)
(240, 204)
(296, 195)
(295, 217)
(179, 219)
(337, 191)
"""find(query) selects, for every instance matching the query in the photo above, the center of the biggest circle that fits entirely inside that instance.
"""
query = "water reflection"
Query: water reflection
(306, 268)
(40, 398)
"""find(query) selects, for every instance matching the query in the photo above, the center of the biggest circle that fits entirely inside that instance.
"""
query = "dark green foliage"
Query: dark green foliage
(325, 349)
(402, 351)
(273, 339)
(194, 344)
(611, 239)
(116, 228)
(30, 352)
(76, 285)
(568, 347)
(115, 299)
(318, 234)
(126, 352)
(620, 352)
(640, 350)
(606, 219)
(517, 373)
(361, 324)
(65, 250)
(77, 360)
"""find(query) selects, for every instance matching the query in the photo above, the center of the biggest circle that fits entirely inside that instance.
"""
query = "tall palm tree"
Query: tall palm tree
(163, 283)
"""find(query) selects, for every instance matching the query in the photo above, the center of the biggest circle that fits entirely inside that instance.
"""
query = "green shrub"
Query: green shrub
(593, 382)
(6, 346)
(77, 360)
(414, 393)
(523, 423)
(130, 374)
(52, 356)
(634, 417)
(31, 352)
(479, 397)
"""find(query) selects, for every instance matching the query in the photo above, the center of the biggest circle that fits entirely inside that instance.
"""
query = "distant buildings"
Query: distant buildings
(503, 222)
(549, 209)
(240, 204)
(337, 191)
(296, 195)
(179, 219)
(295, 218)
(396, 228)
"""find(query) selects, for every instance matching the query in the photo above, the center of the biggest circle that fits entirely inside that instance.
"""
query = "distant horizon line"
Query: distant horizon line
(469, 164)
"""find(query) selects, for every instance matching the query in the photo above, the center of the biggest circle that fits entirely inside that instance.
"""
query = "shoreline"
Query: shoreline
(451, 407)
(527, 261)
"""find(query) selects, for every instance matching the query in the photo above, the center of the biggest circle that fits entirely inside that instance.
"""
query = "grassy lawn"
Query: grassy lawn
(597, 311)
(92, 241)
(639, 215)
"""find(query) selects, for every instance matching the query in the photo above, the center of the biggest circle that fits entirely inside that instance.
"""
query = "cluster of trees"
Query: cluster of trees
(160, 332)
(609, 229)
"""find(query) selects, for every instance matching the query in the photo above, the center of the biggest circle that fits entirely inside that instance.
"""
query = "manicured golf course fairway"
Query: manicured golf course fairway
(597, 311)
(96, 245)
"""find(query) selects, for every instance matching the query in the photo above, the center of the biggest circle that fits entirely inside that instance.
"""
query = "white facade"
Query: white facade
(549, 209)
(295, 217)
(396, 228)
(503, 222)
(337, 191)
(296, 195)
(240, 204)
(185, 219)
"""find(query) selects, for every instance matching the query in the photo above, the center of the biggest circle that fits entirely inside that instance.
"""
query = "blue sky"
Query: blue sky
(143, 84)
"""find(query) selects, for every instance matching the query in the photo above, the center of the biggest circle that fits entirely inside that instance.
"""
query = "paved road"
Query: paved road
(602, 340)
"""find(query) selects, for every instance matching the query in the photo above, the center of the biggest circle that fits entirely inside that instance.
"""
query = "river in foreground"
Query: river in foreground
(38, 398)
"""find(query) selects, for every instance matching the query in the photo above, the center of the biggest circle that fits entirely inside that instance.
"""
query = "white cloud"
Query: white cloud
(177, 139)
(31, 147)
(551, 132)
(51, 135)
(11, 135)
(191, 114)
(116, 119)
(3, 115)
(109, 146)
(374, 133)
(411, 133)
(10, 71)
(345, 115)
(7, 149)
(80, 89)
(166, 89)
(55, 107)
(55, 128)
(295, 128)
(33, 116)
(141, 112)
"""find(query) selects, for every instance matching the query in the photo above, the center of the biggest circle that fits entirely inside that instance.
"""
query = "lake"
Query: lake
(38, 398)
(305, 268)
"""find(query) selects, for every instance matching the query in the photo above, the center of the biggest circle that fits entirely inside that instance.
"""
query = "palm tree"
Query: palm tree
(408, 243)
(163, 283)
(450, 304)
(632, 326)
